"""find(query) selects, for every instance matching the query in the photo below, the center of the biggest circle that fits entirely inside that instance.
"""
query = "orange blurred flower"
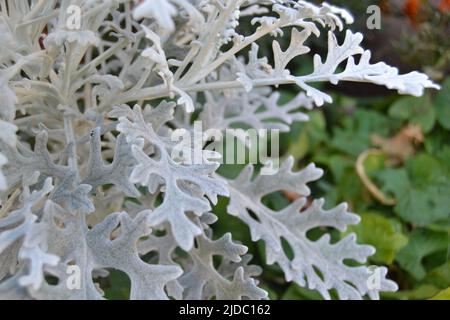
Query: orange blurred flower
(444, 6)
(411, 9)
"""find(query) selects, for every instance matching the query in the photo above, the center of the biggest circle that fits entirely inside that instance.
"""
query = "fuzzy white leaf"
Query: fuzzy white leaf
(185, 186)
(317, 264)
(160, 10)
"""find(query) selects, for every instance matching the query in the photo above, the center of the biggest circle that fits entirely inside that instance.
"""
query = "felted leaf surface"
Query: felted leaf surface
(21, 227)
(100, 248)
(185, 186)
(203, 281)
(117, 172)
(257, 110)
(316, 264)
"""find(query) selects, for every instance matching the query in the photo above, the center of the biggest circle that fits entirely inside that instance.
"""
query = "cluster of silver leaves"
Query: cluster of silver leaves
(86, 174)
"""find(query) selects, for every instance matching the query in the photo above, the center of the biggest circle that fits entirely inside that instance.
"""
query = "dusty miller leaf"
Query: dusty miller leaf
(318, 264)
(179, 199)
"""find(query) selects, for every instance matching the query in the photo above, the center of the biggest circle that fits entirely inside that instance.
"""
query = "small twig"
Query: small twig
(373, 189)
(4, 210)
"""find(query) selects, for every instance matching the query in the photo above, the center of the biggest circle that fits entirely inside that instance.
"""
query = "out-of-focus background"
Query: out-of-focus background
(387, 156)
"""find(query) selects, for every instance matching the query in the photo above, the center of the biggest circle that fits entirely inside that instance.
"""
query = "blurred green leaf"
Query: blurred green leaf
(437, 142)
(353, 137)
(416, 111)
(439, 277)
(382, 233)
(294, 292)
(442, 104)
(443, 295)
(419, 293)
(422, 243)
(339, 165)
(304, 138)
(118, 285)
(299, 148)
(421, 190)
(228, 223)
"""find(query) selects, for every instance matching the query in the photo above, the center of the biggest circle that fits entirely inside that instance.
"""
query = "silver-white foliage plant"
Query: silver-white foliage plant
(86, 173)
